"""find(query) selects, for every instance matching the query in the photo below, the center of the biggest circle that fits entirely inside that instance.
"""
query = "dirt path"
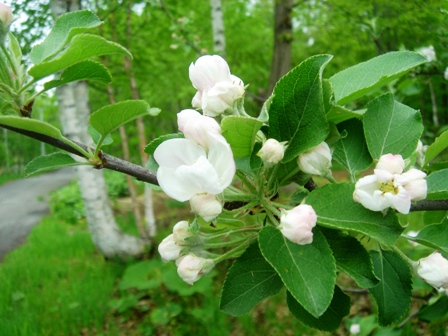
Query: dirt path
(23, 203)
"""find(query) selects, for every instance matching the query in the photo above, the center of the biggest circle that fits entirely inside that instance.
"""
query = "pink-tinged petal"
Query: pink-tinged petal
(176, 152)
(392, 163)
(197, 127)
(184, 116)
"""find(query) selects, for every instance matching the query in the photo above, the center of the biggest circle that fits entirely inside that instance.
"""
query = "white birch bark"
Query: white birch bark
(74, 113)
(219, 40)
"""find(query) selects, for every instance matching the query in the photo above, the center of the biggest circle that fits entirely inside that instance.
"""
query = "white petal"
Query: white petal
(401, 201)
(221, 158)
(176, 152)
(207, 71)
(392, 163)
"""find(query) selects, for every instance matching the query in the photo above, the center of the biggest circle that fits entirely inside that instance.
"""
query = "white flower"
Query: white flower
(169, 249)
(191, 268)
(420, 153)
(429, 53)
(390, 187)
(5, 15)
(180, 232)
(217, 88)
(316, 161)
(434, 270)
(200, 164)
(272, 152)
(296, 224)
(445, 74)
(355, 328)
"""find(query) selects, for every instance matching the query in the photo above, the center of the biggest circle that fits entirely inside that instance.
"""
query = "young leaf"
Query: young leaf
(297, 111)
(365, 77)
(351, 257)
(391, 127)
(50, 162)
(82, 47)
(249, 280)
(308, 271)
(108, 118)
(393, 293)
(65, 27)
(96, 136)
(437, 185)
(352, 152)
(240, 133)
(328, 321)
(435, 236)
(439, 144)
(86, 70)
(336, 209)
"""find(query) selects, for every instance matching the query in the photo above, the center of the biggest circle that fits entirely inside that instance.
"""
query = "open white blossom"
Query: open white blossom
(434, 270)
(192, 268)
(297, 224)
(390, 187)
(217, 88)
(200, 164)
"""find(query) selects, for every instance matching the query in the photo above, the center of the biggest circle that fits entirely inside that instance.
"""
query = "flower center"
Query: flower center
(389, 187)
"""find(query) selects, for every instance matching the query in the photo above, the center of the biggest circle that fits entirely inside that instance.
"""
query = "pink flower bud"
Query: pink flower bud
(434, 270)
(296, 224)
(206, 206)
(5, 15)
(272, 152)
(191, 268)
(316, 161)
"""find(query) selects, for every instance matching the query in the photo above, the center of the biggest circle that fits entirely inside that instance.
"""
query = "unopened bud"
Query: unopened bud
(206, 206)
(272, 152)
(191, 268)
(434, 270)
(297, 224)
(316, 161)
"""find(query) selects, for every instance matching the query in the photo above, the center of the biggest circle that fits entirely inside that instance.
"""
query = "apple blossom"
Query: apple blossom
(180, 232)
(217, 88)
(434, 270)
(201, 163)
(316, 161)
(206, 206)
(191, 268)
(296, 224)
(169, 249)
(429, 53)
(272, 152)
(390, 187)
(6, 17)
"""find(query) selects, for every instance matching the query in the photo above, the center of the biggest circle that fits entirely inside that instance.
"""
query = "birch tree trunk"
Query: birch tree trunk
(219, 40)
(74, 111)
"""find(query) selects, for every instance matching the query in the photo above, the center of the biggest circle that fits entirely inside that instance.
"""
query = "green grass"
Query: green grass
(55, 284)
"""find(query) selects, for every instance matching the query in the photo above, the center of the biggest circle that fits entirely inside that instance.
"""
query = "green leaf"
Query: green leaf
(151, 147)
(352, 152)
(81, 47)
(434, 312)
(86, 70)
(331, 319)
(439, 144)
(366, 77)
(435, 236)
(308, 271)
(65, 27)
(96, 136)
(50, 162)
(393, 293)
(351, 257)
(240, 133)
(249, 280)
(108, 118)
(31, 125)
(297, 110)
(163, 315)
(336, 209)
(391, 127)
(437, 185)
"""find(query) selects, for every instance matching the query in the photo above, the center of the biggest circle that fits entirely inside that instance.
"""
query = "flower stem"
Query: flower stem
(411, 262)
(236, 251)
